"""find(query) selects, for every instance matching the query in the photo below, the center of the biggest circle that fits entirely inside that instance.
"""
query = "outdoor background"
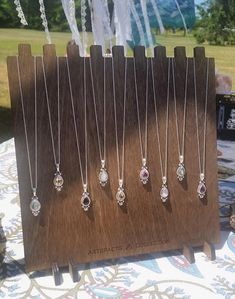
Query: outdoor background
(214, 29)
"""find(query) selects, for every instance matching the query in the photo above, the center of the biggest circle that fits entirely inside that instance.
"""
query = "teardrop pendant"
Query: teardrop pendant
(35, 205)
(164, 192)
(201, 189)
(120, 196)
(180, 172)
(85, 201)
(103, 176)
(144, 175)
(58, 181)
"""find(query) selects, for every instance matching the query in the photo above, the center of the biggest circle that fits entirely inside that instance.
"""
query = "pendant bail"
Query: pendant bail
(202, 176)
(57, 167)
(120, 183)
(85, 187)
(103, 163)
(164, 180)
(181, 158)
(144, 161)
(34, 192)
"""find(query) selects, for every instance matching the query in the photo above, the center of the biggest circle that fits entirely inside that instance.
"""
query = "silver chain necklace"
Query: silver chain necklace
(35, 204)
(180, 172)
(120, 195)
(103, 174)
(144, 172)
(201, 189)
(85, 199)
(58, 180)
(164, 191)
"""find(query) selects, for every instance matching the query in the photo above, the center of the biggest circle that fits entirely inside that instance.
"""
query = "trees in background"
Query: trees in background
(216, 23)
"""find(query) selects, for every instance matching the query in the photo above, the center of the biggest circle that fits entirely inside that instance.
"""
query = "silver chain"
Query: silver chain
(163, 168)
(202, 159)
(180, 147)
(57, 162)
(102, 157)
(143, 149)
(84, 180)
(35, 184)
(120, 172)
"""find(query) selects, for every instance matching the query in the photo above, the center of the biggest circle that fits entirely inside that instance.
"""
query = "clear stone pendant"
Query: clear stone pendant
(35, 205)
(201, 189)
(144, 173)
(85, 200)
(164, 192)
(120, 195)
(103, 174)
(181, 169)
(58, 180)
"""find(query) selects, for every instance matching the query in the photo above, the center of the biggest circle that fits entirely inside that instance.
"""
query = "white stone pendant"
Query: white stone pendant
(85, 201)
(103, 176)
(180, 172)
(201, 189)
(120, 196)
(58, 181)
(35, 205)
(164, 192)
(144, 175)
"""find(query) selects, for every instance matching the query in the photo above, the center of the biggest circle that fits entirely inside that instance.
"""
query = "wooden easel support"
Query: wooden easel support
(56, 274)
(209, 250)
(73, 270)
(189, 253)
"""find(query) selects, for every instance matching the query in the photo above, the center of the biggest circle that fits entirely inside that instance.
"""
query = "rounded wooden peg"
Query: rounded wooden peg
(73, 50)
(49, 50)
(160, 52)
(96, 51)
(199, 52)
(24, 50)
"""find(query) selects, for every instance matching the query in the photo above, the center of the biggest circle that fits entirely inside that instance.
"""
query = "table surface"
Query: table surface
(161, 275)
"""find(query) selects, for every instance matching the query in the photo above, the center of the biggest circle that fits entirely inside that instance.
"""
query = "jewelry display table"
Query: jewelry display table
(167, 275)
(86, 222)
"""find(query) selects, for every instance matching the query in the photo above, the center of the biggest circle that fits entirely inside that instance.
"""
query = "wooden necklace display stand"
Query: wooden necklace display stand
(63, 234)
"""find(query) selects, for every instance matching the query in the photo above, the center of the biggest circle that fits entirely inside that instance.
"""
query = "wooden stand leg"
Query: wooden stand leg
(56, 274)
(209, 250)
(189, 253)
(73, 270)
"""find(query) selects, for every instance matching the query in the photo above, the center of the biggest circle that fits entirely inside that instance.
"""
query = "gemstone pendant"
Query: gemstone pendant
(35, 205)
(103, 176)
(144, 175)
(164, 192)
(58, 181)
(120, 196)
(85, 201)
(201, 189)
(180, 172)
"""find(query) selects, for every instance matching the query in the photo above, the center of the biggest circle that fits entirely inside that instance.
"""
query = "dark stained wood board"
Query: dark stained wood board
(63, 231)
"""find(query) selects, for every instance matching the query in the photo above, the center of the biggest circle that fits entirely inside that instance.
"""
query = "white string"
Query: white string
(84, 181)
(180, 147)
(201, 160)
(120, 173)
(33, 185)
(163, 168)
(143, 152)
(57, 162)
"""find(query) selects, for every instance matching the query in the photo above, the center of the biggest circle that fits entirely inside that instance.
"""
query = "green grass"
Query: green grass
(10, 38)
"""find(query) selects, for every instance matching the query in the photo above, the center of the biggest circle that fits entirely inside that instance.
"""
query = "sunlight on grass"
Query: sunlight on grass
(10, 38)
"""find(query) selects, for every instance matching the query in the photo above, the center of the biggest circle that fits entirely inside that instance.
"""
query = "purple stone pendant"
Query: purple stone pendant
(201, 189)
(164, 192)
(144, 173)
(58, 180)
(85, 200)
(35, 205)
(120, 195)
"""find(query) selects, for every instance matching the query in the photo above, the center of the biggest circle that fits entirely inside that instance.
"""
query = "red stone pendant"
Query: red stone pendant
(144, 175)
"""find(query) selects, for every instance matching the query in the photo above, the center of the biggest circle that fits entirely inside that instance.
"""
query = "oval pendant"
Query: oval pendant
(201, 189)
(144, 175)
(164, 193)
(85, 201)
(180, 172)
(120, 196)
(35, 205)
(58, 181)
(103, 177)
